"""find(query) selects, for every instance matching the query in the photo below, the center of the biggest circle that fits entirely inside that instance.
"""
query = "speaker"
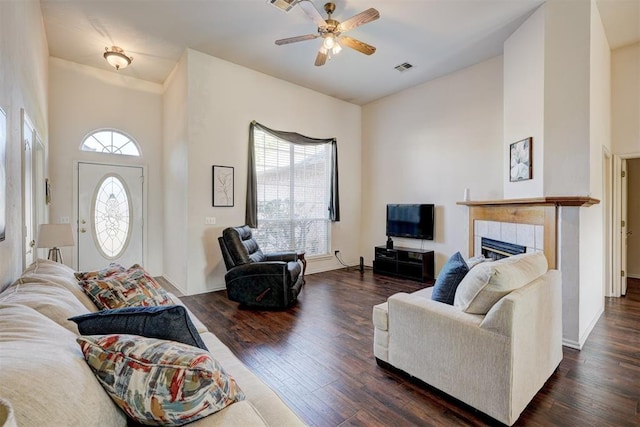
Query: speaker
(361, 265)
(389, 242)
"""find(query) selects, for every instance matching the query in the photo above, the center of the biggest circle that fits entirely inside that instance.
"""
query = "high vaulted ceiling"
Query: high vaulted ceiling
(435, 36)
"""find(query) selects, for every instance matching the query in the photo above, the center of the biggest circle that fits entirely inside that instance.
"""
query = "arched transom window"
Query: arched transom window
(110, 141)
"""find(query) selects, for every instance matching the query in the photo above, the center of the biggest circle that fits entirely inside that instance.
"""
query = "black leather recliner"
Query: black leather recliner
(257, 279)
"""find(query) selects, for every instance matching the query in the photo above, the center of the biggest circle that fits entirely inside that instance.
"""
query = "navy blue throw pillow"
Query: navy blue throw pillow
(449, 278)
(166, 322)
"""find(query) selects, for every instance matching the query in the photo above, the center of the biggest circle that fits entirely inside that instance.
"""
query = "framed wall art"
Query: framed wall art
(520, 157)
(222, 185)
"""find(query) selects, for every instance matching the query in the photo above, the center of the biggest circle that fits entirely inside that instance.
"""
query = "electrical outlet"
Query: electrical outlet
(209, 220)
(336, 252)
(64, 220)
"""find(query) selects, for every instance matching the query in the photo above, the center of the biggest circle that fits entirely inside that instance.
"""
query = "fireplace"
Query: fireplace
(495, 249)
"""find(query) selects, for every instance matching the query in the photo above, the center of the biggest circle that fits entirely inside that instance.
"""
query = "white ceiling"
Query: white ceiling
(435, 36)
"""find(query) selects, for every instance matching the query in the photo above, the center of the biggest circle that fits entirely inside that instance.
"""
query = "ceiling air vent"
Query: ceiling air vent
(403, 67)
(285, 5)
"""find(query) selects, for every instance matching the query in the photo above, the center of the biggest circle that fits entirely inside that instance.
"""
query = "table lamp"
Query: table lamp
(54, 236)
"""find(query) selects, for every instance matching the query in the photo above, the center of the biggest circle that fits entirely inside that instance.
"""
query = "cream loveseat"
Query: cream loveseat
(45, 381)
(495, 362)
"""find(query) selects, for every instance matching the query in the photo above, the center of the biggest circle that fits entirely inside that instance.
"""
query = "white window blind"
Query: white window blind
(293, 183)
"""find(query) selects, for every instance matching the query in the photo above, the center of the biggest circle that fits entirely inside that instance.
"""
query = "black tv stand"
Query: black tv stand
(408, 263)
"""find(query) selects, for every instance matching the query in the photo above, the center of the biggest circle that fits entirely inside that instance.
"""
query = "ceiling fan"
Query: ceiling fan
(332, 31)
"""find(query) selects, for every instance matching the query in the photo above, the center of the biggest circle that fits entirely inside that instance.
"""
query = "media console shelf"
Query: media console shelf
(408, 263)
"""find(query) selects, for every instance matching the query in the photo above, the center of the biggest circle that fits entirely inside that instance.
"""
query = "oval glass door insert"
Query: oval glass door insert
(111, 217)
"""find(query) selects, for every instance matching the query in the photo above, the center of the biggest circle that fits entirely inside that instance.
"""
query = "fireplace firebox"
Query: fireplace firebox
(495, 249)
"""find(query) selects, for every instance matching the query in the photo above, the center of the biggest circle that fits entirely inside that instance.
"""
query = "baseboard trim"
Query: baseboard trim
(592, 325)
(633, 276)
(172, 283)
(571, 344)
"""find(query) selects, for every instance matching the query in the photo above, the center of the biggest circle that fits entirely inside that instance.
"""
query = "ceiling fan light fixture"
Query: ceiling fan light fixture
(116, 57)
(336, 48)
(329, 41)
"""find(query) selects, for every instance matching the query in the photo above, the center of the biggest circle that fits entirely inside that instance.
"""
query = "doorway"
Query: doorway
(110, 215)
(626, 224)
(633, 219)
(33, 201)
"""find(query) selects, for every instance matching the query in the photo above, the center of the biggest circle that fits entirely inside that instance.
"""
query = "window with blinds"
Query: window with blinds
(293, 183)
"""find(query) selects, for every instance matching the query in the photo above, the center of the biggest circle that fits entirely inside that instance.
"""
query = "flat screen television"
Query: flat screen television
(414, 221)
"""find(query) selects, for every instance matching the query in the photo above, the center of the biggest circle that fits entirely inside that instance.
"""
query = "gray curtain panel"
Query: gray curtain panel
(251, 214)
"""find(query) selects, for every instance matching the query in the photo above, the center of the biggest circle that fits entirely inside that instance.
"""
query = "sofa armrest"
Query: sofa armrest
(446, 348)
(267, 268)
(538, 301)
(532, 317)
(281, 256)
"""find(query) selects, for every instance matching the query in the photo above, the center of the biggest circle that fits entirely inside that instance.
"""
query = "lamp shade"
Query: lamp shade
(55, 235)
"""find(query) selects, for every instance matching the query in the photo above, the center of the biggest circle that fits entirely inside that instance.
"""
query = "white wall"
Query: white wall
(175, 169)
(592, 253)
(524, 101)
(426, 145)
(562, 57)
(23, 85)
(83, 99)
(625, 111)
(222, 100)
(566, 93)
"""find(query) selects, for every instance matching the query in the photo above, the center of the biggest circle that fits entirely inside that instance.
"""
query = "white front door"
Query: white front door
(110, 215)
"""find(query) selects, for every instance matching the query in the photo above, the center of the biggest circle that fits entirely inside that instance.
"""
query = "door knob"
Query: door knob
(32, 243)
(83, 221)
(83, 230)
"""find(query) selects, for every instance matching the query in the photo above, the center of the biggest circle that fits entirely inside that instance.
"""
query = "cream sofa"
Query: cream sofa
(495, 362)
(44, 380)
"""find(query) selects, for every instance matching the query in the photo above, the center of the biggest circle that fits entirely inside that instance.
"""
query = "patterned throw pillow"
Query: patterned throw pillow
(112, 269)
(130, 288)
(158, 382)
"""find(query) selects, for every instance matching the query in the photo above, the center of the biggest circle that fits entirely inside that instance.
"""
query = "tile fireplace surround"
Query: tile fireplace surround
(548, 224)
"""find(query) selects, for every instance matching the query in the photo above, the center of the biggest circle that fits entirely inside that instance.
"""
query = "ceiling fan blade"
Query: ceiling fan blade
(321, 58)
(359, 19)
(296, 39)
(367, 49)
(312, 13)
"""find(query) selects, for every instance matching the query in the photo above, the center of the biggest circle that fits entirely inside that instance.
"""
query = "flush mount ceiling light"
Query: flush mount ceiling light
(116, 58)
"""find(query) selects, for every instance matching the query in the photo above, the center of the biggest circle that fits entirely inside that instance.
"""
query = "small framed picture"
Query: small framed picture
(520, 157)
(222, 185)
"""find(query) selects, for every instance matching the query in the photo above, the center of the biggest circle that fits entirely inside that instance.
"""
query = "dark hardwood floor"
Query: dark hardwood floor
(318, 357)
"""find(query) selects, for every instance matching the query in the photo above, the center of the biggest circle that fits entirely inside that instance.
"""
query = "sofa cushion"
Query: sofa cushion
(131, 288)
(56, 303)
(159, 382)
(53, 273)
(45, 377)
(473, 261)
(449, 278)
(488, 282)
(168, 322)
(110, 270)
